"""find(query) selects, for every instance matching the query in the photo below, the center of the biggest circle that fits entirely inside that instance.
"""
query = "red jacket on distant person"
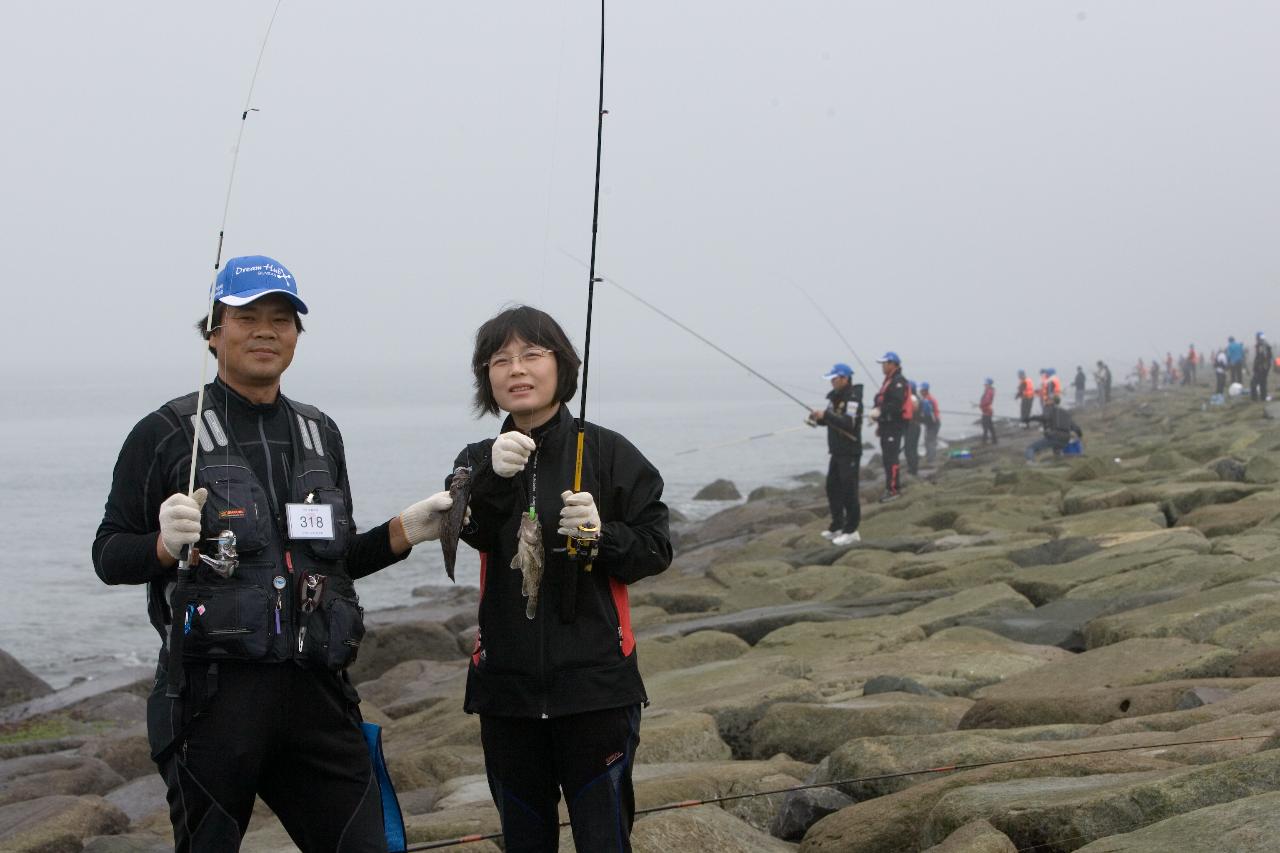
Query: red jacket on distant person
(985, 405)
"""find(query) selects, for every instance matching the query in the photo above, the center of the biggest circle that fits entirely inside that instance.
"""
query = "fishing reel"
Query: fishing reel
(584, 546)
(225, 560)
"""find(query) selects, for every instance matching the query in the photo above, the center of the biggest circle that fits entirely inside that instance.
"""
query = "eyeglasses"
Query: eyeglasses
(531, 357)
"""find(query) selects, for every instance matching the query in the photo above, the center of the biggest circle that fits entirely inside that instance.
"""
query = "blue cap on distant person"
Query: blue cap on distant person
(890, 356)
(990, 381)
(924, 386)
(247, 278)
(839, 369)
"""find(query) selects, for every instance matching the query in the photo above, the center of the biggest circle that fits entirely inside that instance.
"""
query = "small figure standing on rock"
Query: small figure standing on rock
(1102, 377)
(843, 420)
(911, 438)
(987, 406)
(931, 420)
(250, 696)
(893, 413)
(1262, 357)
(1079, 383)
(555, 680)
(1025, 396)
(1058, 429)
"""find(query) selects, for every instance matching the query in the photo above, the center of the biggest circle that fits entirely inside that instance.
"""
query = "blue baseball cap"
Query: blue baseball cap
(839, 369)
(990, 381)
(924, 386)
(890, 356)
(251, 277)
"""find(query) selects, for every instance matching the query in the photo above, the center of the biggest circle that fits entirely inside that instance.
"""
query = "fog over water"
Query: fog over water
(980, 186)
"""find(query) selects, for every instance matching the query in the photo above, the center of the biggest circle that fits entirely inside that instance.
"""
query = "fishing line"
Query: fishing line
(217, 260)
(946, 768)
(742, 440)
(834, 328)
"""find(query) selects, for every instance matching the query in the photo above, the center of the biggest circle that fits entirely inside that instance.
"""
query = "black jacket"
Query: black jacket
(843, 420)
(1262, 356)
(894, 400)
(545, 667)
(1058, 426)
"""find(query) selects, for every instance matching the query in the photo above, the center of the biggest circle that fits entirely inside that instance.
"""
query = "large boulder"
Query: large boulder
(35, 776)
(1246, 825)
(667, 736)
(966, 604)
(718, 490)
(701, 828)
(681, 652)
(976, 837)
(1232, 518)
(414, 685)
(802, 809)
(812, 731)
(17, 683)
(1047, 811)
(385, 646)
(57, 823)
(1192, 617)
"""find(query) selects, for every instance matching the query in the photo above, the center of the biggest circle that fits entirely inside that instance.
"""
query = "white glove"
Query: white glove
(422, 520)
(579, 511)
(511, 452)
(874, 414)
(180, 521)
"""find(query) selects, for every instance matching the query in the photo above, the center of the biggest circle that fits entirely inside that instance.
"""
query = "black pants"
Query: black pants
(931, 442)
(1222, 381)
(910, 447)
(1237, 373)
(1258, 387)
(589, 756)
(289, 735)
(1026, 410)
(988, 429)
(890, 446)
(842, 493)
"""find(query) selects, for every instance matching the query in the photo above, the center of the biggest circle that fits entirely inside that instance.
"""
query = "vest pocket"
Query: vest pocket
(335, 548)
(239, 504)
(331, 634)
(225, 622)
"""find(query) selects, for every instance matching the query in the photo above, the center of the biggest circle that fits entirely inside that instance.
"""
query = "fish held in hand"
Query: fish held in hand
(529, 560)
(456, 518)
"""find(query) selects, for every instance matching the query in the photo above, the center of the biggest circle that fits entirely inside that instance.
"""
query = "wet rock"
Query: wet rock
(1246, 825)
(673, 601)
(1059, 623)
(17, 683)
(812, 731)
(1054, 552)
(1231, 470)
(895, 684)
(1229, 519)
(385, 646)
(762, 492)
(976, 837)
(129, 756)
(802, 809)
(718, 490)
(756, 624)
(967, 604)
(54, 824)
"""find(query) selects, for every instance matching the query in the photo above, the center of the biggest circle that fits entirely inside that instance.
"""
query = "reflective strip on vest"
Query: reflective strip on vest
(205, 441)
(302, 428)
(215, 426)
(315, 437)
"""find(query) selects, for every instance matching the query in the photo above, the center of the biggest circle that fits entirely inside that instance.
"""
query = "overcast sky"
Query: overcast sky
(978, 185)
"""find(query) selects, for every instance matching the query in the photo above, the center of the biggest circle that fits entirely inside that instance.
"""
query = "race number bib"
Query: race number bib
(310, 521)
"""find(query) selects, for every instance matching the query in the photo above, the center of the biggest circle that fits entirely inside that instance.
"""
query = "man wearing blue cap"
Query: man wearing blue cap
(892, 413)
(261, 618)
(843, 420)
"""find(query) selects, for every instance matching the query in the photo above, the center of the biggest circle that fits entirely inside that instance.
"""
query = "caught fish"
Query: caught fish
(528, 560)
(455, 519)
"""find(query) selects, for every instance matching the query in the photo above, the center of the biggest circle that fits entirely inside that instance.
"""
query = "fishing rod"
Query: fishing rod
(184, 557)
(590, 538)
(834, 328)
(946, 768)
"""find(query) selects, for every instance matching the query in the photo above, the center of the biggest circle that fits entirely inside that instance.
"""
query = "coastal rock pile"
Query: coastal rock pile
(1079, 654)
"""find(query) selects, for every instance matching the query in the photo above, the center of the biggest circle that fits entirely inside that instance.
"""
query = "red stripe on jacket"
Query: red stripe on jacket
(475, 650)
(622, 601)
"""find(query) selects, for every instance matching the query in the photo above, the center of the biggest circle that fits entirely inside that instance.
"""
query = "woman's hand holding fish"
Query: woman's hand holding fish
(421, 521)
(579, 511)
(511, 452)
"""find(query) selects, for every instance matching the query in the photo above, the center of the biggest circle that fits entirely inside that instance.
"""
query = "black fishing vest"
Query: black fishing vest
(287, 599)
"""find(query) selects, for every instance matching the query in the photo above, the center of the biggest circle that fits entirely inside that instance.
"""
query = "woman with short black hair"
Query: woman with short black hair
(554, 674)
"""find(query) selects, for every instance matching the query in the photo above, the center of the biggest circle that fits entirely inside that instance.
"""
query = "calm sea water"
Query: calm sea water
(56, 460)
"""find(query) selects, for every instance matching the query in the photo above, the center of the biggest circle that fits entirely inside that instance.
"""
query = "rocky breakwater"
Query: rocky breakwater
(1092, 644)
